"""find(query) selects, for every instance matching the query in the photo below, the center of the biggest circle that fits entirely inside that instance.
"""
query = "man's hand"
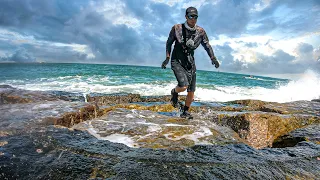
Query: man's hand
(165, 62)
(215, 62)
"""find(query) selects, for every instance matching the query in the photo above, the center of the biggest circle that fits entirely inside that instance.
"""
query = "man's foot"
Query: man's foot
(186, 115)
(174, 98)
(181, 106)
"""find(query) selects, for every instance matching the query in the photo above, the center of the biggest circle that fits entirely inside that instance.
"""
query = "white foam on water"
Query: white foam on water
(116, 138)
(85, 97)
(129, 116)
(85, 87)
(304, 88)
(143, 122)
(171, 125)
(154, 128)
(259, 79)
(42, 106)
(201, 132)
(120, 138)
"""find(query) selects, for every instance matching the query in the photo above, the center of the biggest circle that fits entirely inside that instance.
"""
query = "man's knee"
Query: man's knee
(183, 88)
(190, 95)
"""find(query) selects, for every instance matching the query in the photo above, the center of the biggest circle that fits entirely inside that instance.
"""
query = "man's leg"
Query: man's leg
(190, 97)
(180, 89)
(183, 83)
(185, 113)
(175, 94)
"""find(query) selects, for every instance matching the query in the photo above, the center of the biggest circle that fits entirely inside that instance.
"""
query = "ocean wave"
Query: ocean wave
(259, 79)
(305, 88)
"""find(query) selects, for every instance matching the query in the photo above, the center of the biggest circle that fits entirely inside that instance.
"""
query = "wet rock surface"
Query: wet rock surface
(58, 135)
(11, 95)
(260, 129)
(149, 129)
(308, 133)
(64, 154)
(28, 116)
(316, 100)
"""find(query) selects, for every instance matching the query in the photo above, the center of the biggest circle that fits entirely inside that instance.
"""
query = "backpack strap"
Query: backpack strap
(184, 45)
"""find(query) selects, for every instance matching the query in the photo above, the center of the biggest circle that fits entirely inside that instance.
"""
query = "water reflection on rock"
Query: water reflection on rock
(149, 129)
(57, 135)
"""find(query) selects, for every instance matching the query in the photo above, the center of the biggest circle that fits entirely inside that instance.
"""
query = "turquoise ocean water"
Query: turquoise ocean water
(154, 81)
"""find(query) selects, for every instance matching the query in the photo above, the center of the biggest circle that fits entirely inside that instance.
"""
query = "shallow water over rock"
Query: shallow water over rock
(35, 115)
(145, 128)
(51, 135)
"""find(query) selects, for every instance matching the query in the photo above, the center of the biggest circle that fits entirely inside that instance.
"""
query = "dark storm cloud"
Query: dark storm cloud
(45, 20)
(317, 54)
(160, 15)
(297, 17)
(6, 46)
(21, 13)
(264, 26)
(281, 56)
(64, 23)
(138, 7)
(307, 57)
(304, 48)
(21, 55)
(317, 58)
(224, 53)
(277, 63)
(65, 55)
(122, 46)
(150, 11)
(249, 44)
(225, 17)
(81, 22)
(252, 44)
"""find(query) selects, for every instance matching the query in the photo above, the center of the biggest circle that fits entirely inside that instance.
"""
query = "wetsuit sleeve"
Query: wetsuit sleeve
(170, 41)
(205, 43)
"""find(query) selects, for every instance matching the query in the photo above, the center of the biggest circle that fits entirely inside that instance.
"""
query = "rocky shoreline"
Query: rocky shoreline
(44, 135)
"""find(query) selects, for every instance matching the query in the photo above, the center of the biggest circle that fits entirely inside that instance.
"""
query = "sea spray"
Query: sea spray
(150, 81)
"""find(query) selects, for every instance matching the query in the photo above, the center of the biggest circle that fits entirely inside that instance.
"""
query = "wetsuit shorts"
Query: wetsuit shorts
(184, 76)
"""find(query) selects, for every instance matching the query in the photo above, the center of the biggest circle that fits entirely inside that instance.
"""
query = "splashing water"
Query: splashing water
(151, 81)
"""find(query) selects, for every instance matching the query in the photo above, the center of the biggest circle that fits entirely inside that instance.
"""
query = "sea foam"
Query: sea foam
(307, 87)
(304, 88)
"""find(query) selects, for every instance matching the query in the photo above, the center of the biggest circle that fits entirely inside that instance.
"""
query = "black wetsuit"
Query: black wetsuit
(182, 58)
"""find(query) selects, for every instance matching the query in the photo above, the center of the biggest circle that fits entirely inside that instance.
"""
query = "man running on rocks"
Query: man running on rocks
(187, 37)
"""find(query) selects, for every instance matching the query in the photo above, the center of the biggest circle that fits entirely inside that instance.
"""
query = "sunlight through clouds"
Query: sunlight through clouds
(115, 12)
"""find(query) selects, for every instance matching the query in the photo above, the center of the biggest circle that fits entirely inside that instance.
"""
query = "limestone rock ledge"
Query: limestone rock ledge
(59, 153)
(260, 129)
(38, 139)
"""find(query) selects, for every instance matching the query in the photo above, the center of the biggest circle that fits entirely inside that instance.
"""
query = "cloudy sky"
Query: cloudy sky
(248, 36)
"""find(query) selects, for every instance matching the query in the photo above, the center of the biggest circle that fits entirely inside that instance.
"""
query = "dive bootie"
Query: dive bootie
(174, 98)
(186, 115)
